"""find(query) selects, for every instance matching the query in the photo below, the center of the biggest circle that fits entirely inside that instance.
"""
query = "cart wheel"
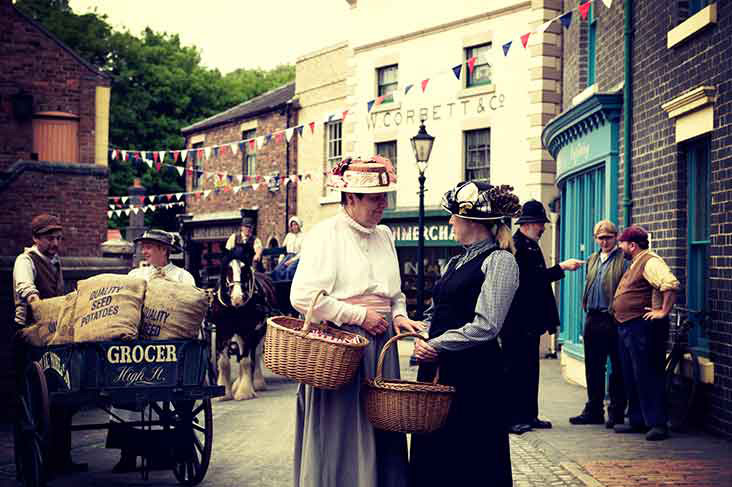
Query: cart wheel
(195, 420)
(33, 427)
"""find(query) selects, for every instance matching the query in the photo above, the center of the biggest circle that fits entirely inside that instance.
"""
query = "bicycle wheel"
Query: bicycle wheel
(682, 381)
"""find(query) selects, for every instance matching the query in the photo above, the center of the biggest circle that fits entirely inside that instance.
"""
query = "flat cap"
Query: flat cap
(45, 223)
(633, 233)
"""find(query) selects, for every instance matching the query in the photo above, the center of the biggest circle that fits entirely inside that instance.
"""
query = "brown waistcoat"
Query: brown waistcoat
(49, 278)
(634, 294)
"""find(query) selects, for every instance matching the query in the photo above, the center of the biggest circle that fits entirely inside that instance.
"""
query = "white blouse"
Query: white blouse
(347, 260)
(293, 242)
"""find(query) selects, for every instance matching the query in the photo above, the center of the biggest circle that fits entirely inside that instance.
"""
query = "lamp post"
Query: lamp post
(422, 146)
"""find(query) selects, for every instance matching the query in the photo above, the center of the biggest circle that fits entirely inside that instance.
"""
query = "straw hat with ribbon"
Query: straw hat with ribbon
(376, 175)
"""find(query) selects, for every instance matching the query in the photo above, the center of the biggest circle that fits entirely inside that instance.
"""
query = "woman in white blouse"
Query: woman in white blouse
(354, 260)
(285, 270)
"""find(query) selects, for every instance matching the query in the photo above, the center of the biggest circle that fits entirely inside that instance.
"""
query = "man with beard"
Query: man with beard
(37, 275)
(641, 306)
(533, 312)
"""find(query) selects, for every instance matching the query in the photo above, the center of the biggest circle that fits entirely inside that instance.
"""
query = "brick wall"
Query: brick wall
(659, 185)
(272, 218)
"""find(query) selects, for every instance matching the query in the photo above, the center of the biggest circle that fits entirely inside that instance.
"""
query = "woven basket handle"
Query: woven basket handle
(387, 345)
(309, 314)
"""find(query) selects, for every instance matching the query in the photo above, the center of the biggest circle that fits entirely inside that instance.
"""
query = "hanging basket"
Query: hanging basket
(406, 406)
(314, 354)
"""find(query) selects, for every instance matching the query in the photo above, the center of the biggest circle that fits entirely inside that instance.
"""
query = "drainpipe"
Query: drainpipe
(627, 109)
(287, 173)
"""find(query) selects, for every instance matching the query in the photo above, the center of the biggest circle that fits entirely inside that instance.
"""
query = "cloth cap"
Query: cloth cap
(160, 237)
(45, 223)
(377, 175)
(635, 234)
(533, 212)
(477, 200)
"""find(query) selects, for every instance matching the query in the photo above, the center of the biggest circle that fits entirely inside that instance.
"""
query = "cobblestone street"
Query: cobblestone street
(253, 447)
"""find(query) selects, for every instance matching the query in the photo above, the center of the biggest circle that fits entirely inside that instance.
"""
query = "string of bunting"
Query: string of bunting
(225, 181)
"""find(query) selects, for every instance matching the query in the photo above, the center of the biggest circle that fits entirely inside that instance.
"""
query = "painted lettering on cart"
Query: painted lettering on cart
(126, 354)
(51, 361)
(129, 376)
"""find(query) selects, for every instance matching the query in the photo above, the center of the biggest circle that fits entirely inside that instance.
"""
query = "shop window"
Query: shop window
(389, 150)
(249, 156)
(333, 147)
(478, 154)
(698, 156)
(481, 74)
(387, 80)
(591, 46)
(690, 17)
(197, 165)
(56, 136)
(687, 8)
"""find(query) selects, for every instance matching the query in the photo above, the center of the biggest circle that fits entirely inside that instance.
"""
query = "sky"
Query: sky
(233, 34)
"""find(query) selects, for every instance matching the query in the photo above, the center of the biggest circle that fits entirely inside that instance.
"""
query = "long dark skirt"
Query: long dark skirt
(472, 448)
(335, 444)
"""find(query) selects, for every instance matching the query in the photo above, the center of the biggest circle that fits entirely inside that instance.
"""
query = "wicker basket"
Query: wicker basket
(406, 406)
(289, 352)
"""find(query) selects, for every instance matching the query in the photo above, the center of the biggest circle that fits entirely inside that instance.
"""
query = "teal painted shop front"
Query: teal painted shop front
(584, 142)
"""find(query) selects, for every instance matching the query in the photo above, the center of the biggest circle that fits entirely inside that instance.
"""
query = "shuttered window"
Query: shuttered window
(56, 136)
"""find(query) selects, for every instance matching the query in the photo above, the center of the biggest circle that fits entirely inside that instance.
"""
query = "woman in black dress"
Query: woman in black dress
(470, 302)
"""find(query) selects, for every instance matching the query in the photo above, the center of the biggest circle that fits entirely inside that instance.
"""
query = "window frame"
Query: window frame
(468, 149)
(332, 143)
(379, 149)
(381, 88)
(469, 79)
(197, 165)
(249, 159)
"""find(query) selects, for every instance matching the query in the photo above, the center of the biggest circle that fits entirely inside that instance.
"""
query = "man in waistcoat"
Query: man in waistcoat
(641, 306)
(533, 312)
(37, 275)
(604, 270)
(246, 237)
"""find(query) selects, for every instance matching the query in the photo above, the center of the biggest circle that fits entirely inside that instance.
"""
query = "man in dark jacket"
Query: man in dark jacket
(604, 270)
(533, 312)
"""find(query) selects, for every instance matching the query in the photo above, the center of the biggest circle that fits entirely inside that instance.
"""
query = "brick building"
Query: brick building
(261, 168)
(665, 80)
(54, 125)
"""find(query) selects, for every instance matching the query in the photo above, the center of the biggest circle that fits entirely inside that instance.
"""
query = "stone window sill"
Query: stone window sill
(477, 90)
(692, 25)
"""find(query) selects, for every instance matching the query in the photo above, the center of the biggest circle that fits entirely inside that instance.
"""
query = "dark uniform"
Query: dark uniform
(533, 312)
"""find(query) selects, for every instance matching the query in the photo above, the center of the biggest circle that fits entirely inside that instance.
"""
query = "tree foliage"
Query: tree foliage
(158, 87)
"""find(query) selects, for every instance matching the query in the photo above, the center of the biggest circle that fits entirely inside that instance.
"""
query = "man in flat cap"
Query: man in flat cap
(533, 312)
(37, 275)
(641, 306)
(246, 237)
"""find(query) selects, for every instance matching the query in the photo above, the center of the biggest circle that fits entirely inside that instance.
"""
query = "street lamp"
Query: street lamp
(422, 147)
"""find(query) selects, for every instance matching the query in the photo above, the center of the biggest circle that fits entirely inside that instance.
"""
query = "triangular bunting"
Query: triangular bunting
(525, 39)
(260, 141)
(506, 47)
(179, 196)
(183, 155)
(456, 70)
(155, 156)
(608, 3)
(180, 170)
(152, 198)
(312, 127)
(162, 155)
(149, 163)
(255, 186)
(566, 19)
(109, 214)
(207, 152)
(298, 129)
(545, 26)
(234, 147)
(251, 145)
(158, 166)
(370, 105)
(124, 199)
(236, 189)
(471, 64)
(343, 115)
(124, 155)
(424, 84)
(407, 88)
(215, 152)
(584, 8)
(288, 133)
(206, 192)
(279, 136)
(267, 139)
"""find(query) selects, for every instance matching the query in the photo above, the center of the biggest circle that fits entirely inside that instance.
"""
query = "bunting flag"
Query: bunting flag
(545, 26)
(343, 116)
(471, 64)
(584, 8)
(312, 127)
(566, 19)
(369, 106)
(608, 3)
(234, 148)
(288, 133)
(525, 39)
(298, 129)
(260, 142)
(206, 152)
(407, 88)
(506, 47)
(378, 100)
(216, 152)
(162, 155)
(180, 170)
(158, 166)
(457, 70)
(279, 136)
(183, 155)
(424, 84)
(267, 139)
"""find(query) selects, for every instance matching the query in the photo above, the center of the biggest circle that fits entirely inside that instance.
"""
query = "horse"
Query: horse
(241, 303)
